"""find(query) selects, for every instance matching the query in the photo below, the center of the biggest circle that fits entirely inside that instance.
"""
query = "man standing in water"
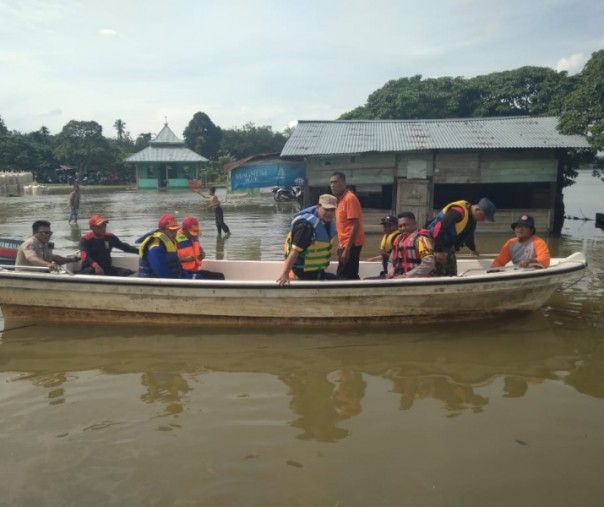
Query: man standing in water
(215, 205)
(74, 204)
(349, 222)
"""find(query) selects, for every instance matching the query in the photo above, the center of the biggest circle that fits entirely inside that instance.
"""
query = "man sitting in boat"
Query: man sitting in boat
(453, 228)
(96, 246)
(309, 243)
(525, 249)
(412, 252)
(390, 227)
(36, 252)
(158, 257)
(190, 252)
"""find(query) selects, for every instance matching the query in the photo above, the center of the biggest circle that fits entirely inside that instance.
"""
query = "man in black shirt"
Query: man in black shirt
(95, 249)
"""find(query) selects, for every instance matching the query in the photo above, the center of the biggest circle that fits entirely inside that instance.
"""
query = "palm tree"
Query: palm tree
(120, 126)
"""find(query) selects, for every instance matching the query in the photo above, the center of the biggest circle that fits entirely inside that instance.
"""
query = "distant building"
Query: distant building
(257, 174)
(166, 163)
(421, 165)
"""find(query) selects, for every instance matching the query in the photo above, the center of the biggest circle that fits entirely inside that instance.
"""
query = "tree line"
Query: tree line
(577, 100)
(82, 145)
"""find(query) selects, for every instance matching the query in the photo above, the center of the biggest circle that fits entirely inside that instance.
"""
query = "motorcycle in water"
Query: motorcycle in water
(287, 193)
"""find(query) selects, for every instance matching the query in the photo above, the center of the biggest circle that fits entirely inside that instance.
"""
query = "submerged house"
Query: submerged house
(421, 165)
(166, 163)
(257, 174)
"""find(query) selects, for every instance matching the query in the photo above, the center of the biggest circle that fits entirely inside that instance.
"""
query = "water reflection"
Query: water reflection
(325, 378)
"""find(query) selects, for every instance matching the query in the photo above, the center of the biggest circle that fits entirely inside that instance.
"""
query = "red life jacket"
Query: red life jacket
(404, 251)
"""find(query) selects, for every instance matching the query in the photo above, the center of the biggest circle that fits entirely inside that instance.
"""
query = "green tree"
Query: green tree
(251, 140)
(82, 144)
(584, 111)
(142, 141)
(202, 136)
(120, 127)
(523, 91)
(3, 129)
(414, 97)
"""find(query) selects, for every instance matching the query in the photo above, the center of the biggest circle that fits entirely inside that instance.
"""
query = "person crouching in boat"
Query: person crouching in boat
(35, 251)
(190, 251)
(158, 257)
(96, 246)
(454, 228)
(309, 243)
(390, 226)
(525, 249)
(412, 252)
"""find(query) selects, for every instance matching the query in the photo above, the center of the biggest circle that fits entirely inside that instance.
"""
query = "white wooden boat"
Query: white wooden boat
(250, 296)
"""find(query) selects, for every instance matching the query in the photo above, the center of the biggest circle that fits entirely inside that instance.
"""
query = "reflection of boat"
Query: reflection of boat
(250, 295)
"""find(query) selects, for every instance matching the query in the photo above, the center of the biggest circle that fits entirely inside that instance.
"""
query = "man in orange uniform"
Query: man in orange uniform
(349, 222)
(525, 249)
(190, 252)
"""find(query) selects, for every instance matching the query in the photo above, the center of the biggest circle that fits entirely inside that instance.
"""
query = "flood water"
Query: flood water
(499, 412)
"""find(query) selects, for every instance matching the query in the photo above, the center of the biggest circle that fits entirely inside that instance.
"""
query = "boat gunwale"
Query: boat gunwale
(507, 275)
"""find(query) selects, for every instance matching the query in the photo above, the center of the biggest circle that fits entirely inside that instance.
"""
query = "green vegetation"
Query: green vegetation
(81, 144)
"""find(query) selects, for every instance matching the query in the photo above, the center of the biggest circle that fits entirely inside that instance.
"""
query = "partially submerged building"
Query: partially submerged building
(166, 163)
(257, 174)
(421, 165)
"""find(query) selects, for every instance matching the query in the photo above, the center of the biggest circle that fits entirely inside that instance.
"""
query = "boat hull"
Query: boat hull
(255, 300)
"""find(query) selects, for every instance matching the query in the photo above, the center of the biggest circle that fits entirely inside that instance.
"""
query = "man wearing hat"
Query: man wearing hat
(390, 226)
(190, 252)
(454, 228)
(309, 243)
(158, 256)
(96, 246)
(525, 248)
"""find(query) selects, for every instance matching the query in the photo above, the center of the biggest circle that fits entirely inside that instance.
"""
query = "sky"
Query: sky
(267, 62)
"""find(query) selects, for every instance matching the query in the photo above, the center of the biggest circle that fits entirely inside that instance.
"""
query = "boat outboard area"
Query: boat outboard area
(250, 296)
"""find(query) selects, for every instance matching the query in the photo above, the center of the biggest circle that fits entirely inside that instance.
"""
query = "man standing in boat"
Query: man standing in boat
(96, 246)
(349, 222)
(453, 228)
(525, 249)
(158, 257)
(412, 252)
(36, 252)
(309, 242)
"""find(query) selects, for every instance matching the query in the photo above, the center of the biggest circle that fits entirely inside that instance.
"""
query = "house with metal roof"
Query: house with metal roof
(166, 163)
(421, 165)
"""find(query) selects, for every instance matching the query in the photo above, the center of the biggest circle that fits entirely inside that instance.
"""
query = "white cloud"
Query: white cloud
(572, 64)
(108, 32)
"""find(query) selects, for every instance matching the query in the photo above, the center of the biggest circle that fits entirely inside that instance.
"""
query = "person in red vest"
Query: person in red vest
(412, 251)
(190, 251)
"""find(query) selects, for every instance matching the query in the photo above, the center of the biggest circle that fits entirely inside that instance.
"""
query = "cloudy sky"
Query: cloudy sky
(263, 61)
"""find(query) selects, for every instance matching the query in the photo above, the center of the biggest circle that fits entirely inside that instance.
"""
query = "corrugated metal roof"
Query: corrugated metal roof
(166, 147)
(166, 154)
(166, 136)
(361, 136)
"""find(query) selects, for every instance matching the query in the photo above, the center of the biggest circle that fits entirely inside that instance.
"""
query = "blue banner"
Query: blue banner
(268, 175)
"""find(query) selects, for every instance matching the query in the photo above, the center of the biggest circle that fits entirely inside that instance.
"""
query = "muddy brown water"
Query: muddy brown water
(499, 412)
